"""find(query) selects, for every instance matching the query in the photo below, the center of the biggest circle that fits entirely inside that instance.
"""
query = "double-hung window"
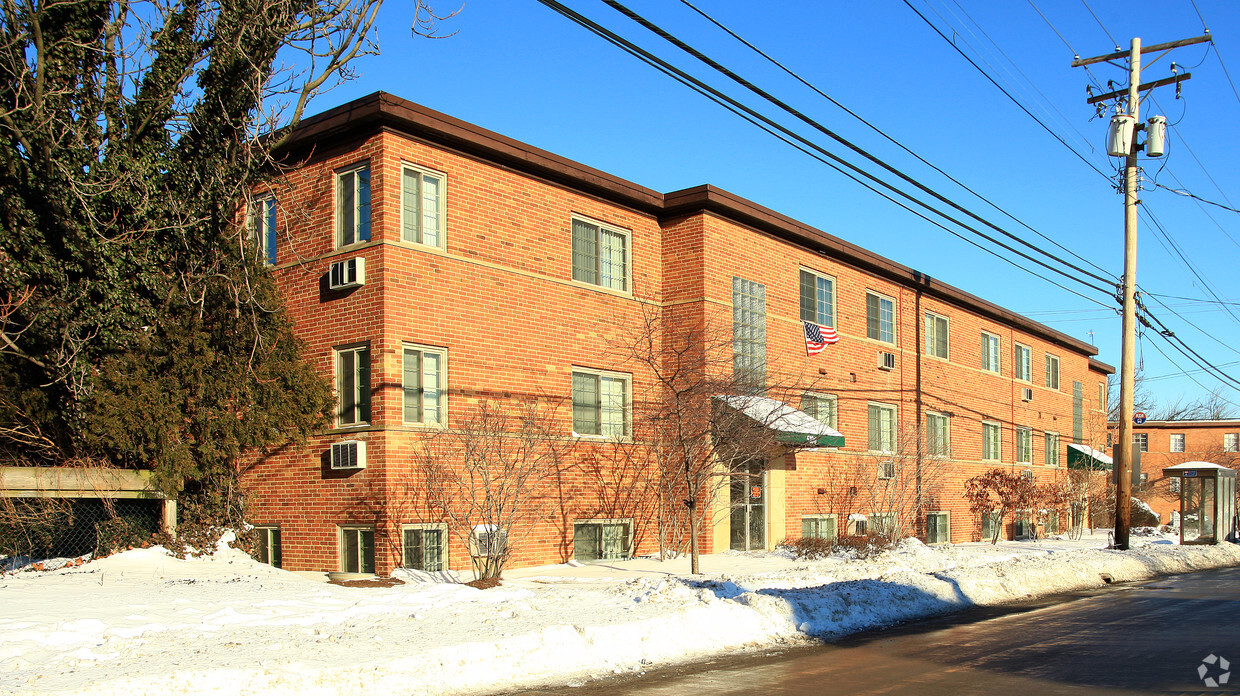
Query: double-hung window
(601, 403)
(1024, 363)
(818, 527)
(357, 549)
(882, 421)
(1231, 442)
(422, 384)
(422, 206)
(600, 255)
(936, 335)
(1102, 396)
(817, 298)
(353, 385)
(821, 406)
(938, 527)
(749, 332)
(263, 228)
(990, 352)
(1024, 445)
(880, 318)
(1052, 371)
(267, 547)
(990, 441)
(353, 206)
(425, 547)
(938, 435)
(1052, 449)
(602, 540)
(1177, 443)
(1141, 441)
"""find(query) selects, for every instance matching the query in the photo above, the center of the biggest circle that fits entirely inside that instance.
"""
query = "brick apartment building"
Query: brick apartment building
(1167, 443)
(495, 269)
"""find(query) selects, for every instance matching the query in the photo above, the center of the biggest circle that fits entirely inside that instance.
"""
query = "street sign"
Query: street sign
(1138, 417)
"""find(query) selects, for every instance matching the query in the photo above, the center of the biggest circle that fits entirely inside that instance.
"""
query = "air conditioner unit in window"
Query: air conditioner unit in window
(886, 361)
(347, 274)
(1026, 394)
(348, 455)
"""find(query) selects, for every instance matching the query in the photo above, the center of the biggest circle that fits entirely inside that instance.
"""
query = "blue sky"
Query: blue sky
(520, 69)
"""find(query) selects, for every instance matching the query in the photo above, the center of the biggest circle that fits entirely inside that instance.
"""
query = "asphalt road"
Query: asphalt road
(1146, 638)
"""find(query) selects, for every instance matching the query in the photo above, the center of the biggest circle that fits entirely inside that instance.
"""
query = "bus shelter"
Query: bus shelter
(1207, 502)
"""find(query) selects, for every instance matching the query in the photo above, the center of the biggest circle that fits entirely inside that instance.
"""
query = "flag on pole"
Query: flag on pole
(817, 337)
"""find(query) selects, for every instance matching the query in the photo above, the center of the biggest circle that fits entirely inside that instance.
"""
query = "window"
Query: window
(938, 435)
(422, 384)
(1173, 484)
(600, 403)
(990, 441)
(818, 527)
(600, 255)
(357, 549)
(882, 420)
(1078, 411)
(488, 540)
(858, 524)
(887, 469)
(817, 298)
(263, 228)
(749, 332)
(1052, 371)
(1052, 522)
(1177, 443)
(353, 206)
(425, 547)
(990, 352)
(1024, 363)
(1144, 478)
(992, 524)
(1102, 396)
(938, 528)
(267, 546)
(1141, 441)
(880, 318)
(353, 385)
(602, 540)
(1052, 449)
(1231, 442)
(821, 406)
(1027, 474)
(1024, 524)
(1110, 440)
(883, 523)
(936, 335)
(1024, 445)
(422, 206)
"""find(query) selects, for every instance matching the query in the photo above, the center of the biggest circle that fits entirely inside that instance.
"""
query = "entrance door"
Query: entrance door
(748, 499)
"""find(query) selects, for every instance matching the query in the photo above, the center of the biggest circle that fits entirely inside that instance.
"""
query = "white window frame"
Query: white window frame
(817, 303)
(1050, 453)
(948, 515)
(879, 329)
(438, 415)
(1173, 484)
(599, 376)
(991, 518)
(357, 415)
(1052, 359)
(359, 226)
(1102, 396)
(627, 522)
(358, 529)
(889, 446)
(820, 519)
(1141, 441)
(996, 445)
(600, 228)
(1024, 445)
(887, 469)
(1173, 440)
(423, 527)
(992, 360)
(933, 319)
(882, 523)
(264, 228)
(946, 449)
(266, 535)
(817, 400)
(488, 532)
(1231, 442)
(419, 228)
(1023, 363)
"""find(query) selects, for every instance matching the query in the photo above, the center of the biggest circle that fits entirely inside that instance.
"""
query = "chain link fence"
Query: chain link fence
(38, 528)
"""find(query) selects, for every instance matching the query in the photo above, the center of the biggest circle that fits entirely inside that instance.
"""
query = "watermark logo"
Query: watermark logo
(1216, 664)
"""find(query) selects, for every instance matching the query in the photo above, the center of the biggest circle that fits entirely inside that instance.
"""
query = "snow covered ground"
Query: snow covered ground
(142, 622)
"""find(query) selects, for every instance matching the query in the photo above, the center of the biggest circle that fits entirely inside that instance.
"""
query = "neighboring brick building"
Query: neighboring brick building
(497, 270)
(1167, 443)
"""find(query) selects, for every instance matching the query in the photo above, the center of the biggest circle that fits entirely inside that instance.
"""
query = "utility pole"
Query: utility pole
(1128, 350)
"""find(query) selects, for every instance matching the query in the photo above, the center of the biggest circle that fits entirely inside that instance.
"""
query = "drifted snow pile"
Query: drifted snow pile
(143, 622)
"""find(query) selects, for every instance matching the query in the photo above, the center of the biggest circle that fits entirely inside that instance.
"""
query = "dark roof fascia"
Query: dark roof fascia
(382, 110)
(1099, 366)
(1179, 424)
(738, 209)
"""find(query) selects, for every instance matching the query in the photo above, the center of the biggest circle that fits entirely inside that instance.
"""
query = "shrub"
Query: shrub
(809, 548)
(863, 546)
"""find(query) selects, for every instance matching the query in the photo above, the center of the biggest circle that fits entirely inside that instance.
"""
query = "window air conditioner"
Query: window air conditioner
(348, 455)
(1026, 394)
(886, 361)
(348, 274)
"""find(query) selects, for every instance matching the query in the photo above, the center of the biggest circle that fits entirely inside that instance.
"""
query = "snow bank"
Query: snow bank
(143, 622)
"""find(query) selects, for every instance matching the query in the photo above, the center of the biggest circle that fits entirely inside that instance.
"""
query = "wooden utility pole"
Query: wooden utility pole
(1128, 349)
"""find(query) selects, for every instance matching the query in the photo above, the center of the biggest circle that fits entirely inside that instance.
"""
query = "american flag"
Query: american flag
(817, 337)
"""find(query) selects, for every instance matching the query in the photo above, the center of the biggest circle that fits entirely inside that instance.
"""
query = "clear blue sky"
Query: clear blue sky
(518, 68)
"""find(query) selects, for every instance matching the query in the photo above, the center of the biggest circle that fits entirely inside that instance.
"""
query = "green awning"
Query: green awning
(791, 425)
(1084, 457)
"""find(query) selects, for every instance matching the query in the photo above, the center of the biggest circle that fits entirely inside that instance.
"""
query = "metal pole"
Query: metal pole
(1123, 458)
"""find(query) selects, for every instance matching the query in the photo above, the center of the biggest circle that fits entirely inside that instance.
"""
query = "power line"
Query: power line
(1162, 232)
(1099, 21)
